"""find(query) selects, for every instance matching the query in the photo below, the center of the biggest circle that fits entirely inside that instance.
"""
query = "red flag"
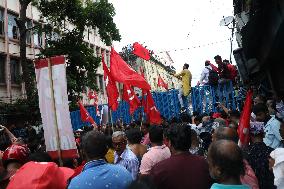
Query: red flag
(85, 116)
(244, 125)
(93, 95)
(161, 83)
(130, 97)
(141, 51)
(154, 115)
(214, 68)
(111, 88)
(123, 73)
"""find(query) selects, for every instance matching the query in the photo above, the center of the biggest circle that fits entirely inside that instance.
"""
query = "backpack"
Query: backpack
(213, 77)
(233, 71)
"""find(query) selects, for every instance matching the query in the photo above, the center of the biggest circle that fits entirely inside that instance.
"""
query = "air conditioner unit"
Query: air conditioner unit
(241, 64)
(242, 19)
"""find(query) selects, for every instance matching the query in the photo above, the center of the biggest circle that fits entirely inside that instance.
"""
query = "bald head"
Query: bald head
(225, 133)
(225, 160)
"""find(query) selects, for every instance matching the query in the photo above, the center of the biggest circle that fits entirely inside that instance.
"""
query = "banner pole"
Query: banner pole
(55, 113)
(110, 112)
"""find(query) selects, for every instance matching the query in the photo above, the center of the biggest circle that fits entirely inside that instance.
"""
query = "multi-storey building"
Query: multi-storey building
(10, 70)
(152, 71)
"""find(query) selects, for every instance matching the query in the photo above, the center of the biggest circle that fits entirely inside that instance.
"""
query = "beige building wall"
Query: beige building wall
(10, 88)
(152, 71)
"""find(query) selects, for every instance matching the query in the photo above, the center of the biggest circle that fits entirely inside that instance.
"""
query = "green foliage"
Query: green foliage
(61, 40)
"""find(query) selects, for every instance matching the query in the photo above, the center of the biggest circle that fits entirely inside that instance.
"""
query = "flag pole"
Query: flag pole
(110, 112)
(55, 113)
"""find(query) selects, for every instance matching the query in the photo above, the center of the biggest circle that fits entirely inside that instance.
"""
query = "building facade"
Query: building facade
(152, 70)
(260, 35)
(11, 88)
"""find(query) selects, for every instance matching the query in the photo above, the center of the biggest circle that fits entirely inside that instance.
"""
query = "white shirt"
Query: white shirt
(272, 135)
(204, 75)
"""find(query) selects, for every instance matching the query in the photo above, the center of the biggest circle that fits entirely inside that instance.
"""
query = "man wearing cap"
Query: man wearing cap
(186, 77)
(97, 173)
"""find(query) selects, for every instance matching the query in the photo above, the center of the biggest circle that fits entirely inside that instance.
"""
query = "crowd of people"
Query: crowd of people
(198, 151)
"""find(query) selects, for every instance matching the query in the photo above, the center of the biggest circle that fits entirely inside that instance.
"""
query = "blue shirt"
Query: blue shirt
(99, 174)
(128, 160)
(272, 135)
(223, 186)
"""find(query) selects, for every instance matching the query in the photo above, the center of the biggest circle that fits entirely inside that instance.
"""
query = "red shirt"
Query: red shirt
(182, 171)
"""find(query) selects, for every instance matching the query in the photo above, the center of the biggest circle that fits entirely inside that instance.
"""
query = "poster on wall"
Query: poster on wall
(54, 109)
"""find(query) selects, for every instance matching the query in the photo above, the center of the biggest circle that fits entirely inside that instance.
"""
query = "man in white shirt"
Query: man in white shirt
(272, 125)
(204, 80)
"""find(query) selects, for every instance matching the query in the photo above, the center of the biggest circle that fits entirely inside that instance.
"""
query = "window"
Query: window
(1, 22)
(15, 71)
(37, 36)
(13, 31)
(101, 81)
(2, 69)
(29, 25)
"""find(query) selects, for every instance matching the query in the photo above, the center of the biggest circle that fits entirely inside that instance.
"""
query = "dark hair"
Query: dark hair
(40, 157)
(156, 134)
(5, 141)
(146, 125)
(207, 63)
(69, 163)
(217, 57)
(258, 108)
(134, 136)
(224, 115)
(185, 117)
(94, 144)
(222, 134)
(108, 131)
(186, 66)
(228, 157)
(226, 61)
(180, 136)
(198, 118)
(145, 182)
(262, 97)
(109, 141)
(234, 113)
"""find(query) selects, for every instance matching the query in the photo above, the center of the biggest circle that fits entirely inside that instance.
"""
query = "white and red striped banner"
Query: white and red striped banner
(66, 136)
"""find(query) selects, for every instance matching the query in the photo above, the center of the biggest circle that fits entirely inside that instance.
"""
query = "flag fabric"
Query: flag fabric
(92, 95)
(141, 51)
(123, 73)
(130, 97)
(161, 83)
(244, 125)
(111, 88)
(85, 116)
(214, 68)
(151, 110)
(144, 92)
